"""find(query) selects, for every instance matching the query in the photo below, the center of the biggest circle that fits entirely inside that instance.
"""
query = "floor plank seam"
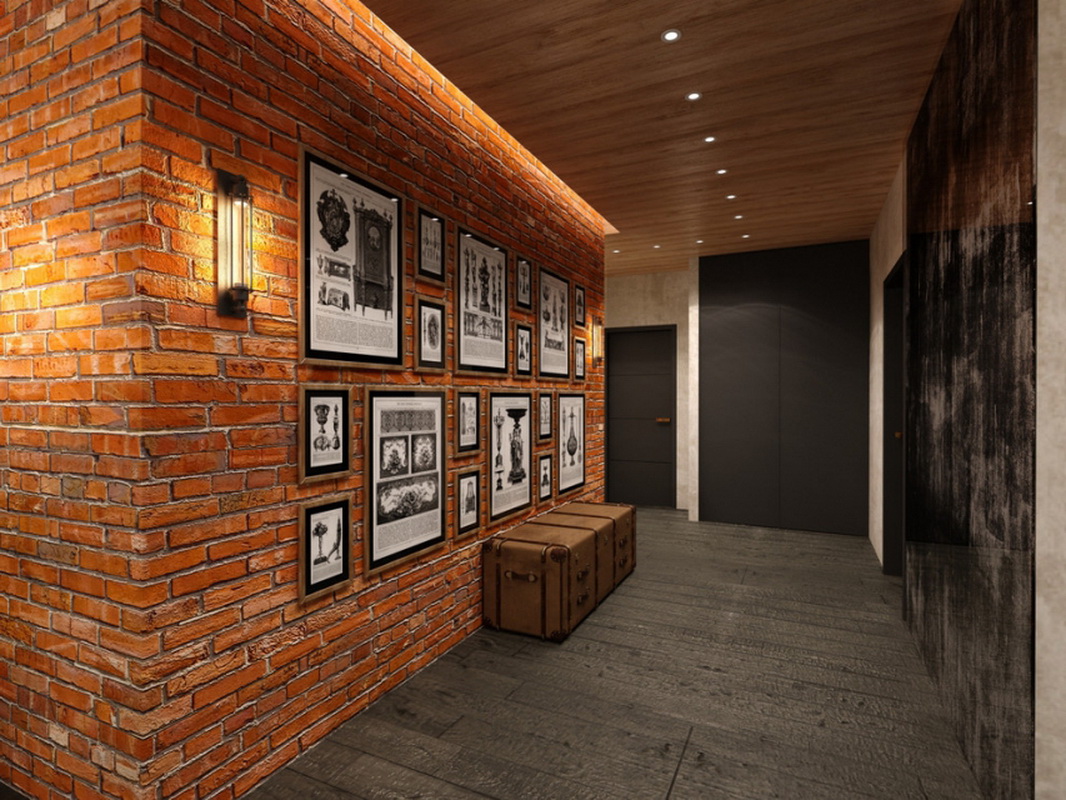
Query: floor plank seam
(680, 761)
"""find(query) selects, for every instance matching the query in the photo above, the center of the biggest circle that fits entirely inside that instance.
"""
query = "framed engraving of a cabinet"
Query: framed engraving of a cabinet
(351, 278)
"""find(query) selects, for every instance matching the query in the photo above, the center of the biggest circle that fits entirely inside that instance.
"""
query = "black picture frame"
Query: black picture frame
(545, 416)
(430, 334)
(432, 238)
(523, 283)
(553, 325)
(579, 305)
(544, 479)
(467, 502)
(467, 435)
(523, 349)
(351, 276)
(325, 432)
(510, 482)
(405, 475)
(579, 358)
(325, 554)
(481, 313)
(570, 470)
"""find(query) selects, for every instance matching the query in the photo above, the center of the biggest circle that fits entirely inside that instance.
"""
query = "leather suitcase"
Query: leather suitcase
(539, 580)
(603, 530)
(624, 518)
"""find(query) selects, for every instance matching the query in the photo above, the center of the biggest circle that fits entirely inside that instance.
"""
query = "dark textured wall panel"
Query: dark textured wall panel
(971, 387)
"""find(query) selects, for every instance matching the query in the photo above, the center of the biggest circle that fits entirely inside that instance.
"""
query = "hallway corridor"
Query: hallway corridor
(734, 662)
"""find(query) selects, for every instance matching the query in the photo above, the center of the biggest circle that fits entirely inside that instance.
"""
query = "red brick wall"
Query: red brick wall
(151, 643)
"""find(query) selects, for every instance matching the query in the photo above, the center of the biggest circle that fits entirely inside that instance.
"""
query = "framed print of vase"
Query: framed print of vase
(571, 449)
(467, 501)
(325, 556)
(429, 334)
(523, 283)
(430, 245)
(510, 452)
(325, 432)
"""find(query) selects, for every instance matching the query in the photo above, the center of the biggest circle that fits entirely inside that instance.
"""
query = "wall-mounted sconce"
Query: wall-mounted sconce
(597, 341)
(234, 210)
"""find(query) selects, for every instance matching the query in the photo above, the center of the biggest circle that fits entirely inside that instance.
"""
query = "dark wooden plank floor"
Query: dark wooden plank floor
(734, 662)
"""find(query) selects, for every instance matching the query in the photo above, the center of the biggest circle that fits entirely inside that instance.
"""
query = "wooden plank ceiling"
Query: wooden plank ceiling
(810, 103)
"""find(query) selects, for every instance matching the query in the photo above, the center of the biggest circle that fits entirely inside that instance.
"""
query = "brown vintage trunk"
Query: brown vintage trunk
(624, 518)
(539, 580)
(603, 530)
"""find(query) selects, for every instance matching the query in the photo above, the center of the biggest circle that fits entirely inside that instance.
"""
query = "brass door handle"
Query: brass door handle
(663, 420)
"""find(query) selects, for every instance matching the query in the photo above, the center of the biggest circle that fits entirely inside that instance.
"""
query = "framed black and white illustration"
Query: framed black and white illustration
(467, 422)
(523, 349)
(510, 456)
(467, 501)
(579, 358)
(405, 474)
(325, 432)
(553, 326)
(351, 280)
(571, 441)
(430, 245)
(429, 333)
(481, 311)
(325, 560)
(544, 479)
(579, 305)
(523, 283)
(544, 416)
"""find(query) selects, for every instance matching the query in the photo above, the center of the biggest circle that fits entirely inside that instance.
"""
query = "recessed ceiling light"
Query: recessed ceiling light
(730, 197)
(671, 35)
(467, 235)
(746, 236)
(708, 139)
(656, 246)
(739, 216)
(435, 219)
(344, 175)
(699, 241)
(693, 96)
(617, 251)
(722, 171)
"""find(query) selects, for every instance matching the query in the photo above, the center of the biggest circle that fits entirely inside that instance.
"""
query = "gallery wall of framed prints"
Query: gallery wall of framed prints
(465, 439)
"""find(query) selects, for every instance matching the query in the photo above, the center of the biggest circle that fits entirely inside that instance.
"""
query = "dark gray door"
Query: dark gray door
(641, 416)
(784, 388)
(892, 464)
